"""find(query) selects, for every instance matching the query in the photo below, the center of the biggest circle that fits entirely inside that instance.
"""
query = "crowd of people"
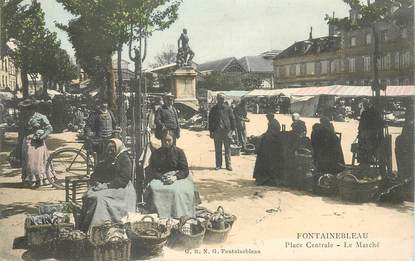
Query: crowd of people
(169, 188)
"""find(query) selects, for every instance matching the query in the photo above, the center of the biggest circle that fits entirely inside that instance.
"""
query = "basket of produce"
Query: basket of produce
(188, 234)
(147, 237)
(359, 184)
(71, 244)
(218, 227)
(109, 242)
(235, 150)
(41, 230)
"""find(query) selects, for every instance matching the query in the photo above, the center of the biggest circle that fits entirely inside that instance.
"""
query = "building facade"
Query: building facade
(346, 57)
(9, 75)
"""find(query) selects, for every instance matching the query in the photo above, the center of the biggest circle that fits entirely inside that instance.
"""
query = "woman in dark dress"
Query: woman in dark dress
(112, 194)
(327, 150)
(170, 190)
(268, 165)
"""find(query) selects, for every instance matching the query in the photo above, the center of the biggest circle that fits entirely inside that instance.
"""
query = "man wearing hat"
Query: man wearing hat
(221, 126)
(167, 118)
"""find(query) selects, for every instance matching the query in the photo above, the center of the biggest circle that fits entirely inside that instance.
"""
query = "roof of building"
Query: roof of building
(256, 64)
(311, 46)
(270, 54)
(220, 65)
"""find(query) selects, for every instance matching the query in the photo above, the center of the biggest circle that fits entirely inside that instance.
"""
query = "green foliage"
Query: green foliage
(369, 14)
(101, 26)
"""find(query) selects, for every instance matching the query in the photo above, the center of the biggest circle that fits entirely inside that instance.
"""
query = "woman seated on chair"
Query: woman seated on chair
(111, 195)
(170, 191)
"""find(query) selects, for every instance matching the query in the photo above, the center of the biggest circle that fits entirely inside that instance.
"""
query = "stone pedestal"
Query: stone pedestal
(184, 86)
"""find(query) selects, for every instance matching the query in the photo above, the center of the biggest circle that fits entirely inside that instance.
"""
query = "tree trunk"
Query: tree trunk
(110, 92)
(25, 82)
(122, 114)
(45, 87)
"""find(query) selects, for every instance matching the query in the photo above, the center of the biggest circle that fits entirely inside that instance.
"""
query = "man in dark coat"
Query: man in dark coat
(241, 116)
(167, 118)
(102, 123)
(221, 126)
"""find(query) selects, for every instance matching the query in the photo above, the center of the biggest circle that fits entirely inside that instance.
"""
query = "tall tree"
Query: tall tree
(24, 25)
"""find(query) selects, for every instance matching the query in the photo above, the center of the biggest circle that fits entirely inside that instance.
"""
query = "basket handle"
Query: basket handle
(146, 217)
(220, 210)
(184, 220)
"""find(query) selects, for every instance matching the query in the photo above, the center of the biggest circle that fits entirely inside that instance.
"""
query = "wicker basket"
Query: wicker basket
(235, 150)
(43, 235)
(147, 237)
(215, 236)
(119, 250)
(69, 248)
(184, 238)
(98, 233)
(353, 189)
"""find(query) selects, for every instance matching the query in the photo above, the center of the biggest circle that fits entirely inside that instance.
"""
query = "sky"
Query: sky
(225, 28)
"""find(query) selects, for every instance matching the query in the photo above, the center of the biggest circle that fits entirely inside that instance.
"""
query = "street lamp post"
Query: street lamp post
(138, 136)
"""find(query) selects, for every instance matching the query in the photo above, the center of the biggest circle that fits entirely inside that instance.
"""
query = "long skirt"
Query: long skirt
(34, 159)
(174, 200)
(106, 205)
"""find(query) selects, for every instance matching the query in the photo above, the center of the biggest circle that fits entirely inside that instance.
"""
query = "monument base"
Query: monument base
(184, 87)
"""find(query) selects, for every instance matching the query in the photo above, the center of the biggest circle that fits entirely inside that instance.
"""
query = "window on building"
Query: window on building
(298, 69)
(317, 68)
(343, 65)
(310, 68)
(367, 65)
(334, 66)
(303, 69)
(383, 36)
(352, 64)
(385, 62)
(396, 60)
(353, 41)
(282, 71)
(292, 69)
(5, 65)
(368, 38)
(405, 59)
(324, 67)
(406, 81)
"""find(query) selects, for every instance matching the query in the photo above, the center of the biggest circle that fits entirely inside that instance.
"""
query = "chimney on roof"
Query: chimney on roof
(310, 37)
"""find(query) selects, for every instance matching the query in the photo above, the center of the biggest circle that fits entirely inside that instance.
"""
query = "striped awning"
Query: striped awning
(336, 90)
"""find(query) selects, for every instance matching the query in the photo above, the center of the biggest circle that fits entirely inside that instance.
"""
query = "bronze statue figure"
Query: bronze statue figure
(184, 53)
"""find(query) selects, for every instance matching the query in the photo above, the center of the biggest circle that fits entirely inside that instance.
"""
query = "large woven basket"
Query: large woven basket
(215, 236)
(352, 188)
(68, 248)
(147, 237)
(183, 238)
(119, 250)
(43, 235)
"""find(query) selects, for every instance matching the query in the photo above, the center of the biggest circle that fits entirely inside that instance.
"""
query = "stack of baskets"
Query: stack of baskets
(109, 242)
(218, 226)
(359, 184)
(147, 237)
(187, 234)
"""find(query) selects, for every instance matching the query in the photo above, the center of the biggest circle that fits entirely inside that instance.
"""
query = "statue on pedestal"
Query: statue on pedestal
(184, 53)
